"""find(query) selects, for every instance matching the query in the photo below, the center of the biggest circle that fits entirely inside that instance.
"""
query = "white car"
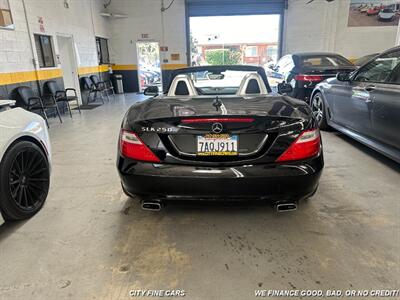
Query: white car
(25, 162)
(364, 9)
(386, 14)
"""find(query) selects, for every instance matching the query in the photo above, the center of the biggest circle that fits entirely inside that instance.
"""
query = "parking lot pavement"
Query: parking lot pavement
(361, 19)
(92, 242)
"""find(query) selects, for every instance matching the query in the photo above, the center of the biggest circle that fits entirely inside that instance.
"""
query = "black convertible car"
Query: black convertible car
(365, 104)
(220, 133)
(303, 71)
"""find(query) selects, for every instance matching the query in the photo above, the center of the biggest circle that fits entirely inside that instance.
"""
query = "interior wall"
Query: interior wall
(318, 26)
(18, 65)
(82, 20)
(322, 26)
(145, 17)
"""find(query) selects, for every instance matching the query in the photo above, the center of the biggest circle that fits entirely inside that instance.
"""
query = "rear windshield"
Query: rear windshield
(220, 83)
(324, 61)
(364, 59)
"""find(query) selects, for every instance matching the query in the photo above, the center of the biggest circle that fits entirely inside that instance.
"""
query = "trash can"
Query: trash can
(117, 83)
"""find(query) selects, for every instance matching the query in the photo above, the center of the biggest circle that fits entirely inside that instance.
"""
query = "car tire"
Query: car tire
(319, 111)
(24, 181)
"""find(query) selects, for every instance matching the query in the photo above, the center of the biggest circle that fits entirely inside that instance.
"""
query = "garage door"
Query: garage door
(198, 8)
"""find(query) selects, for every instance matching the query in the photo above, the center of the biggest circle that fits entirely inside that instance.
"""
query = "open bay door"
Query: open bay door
(201, 8)
(214, 8)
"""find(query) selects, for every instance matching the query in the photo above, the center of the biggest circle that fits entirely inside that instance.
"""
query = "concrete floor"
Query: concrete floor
(91, 242)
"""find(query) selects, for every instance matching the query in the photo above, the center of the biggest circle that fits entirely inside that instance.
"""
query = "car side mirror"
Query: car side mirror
(284, 88)
(343, 76)
(151, 91)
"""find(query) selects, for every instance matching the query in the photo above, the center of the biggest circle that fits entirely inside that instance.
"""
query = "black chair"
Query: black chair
(30, 102)
(91, 87)
(62, 95)
(103, 85)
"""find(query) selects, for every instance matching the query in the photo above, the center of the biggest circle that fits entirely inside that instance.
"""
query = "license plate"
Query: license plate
(217, 145)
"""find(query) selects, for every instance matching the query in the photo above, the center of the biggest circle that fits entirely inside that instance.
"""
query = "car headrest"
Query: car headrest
(252, 84)
(182, 85)
(253, 87)
(181, 89)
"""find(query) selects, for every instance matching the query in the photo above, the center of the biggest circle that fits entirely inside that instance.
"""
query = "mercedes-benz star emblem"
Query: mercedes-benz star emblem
(217, 127)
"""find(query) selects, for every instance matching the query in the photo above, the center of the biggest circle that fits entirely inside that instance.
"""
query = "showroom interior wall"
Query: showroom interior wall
(145, 21)
(317, 26)
(322, 26)
(50, 18)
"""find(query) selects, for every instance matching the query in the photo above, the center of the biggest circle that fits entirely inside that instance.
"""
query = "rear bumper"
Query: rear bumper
(293, 181)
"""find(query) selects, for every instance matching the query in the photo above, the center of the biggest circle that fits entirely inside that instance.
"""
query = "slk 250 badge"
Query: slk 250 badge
(157, 129)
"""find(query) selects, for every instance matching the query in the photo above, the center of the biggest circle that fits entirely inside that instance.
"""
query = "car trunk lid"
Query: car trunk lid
(253, 122)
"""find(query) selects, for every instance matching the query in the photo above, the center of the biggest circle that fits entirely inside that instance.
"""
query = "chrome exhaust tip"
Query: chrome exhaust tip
(151, 205)
(286, 206)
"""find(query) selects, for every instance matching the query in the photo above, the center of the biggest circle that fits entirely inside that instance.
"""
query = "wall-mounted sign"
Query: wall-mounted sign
(164, 49)
(6, 20)
(373, 13)
(41, 24)
(144, 35)
(175, 56)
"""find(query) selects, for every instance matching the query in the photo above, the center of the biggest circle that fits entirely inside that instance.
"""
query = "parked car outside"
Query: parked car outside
(303, 71)
(386, 14)
(365, 104)
(373, 11)
(25, 160)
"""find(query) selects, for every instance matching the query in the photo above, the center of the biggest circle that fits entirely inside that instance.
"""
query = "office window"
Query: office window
(44, 48)
(251, 51)
(272, 52)
(6, 20)
(102, 50)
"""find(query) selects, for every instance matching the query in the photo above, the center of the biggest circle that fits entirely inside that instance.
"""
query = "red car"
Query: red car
(373, 11)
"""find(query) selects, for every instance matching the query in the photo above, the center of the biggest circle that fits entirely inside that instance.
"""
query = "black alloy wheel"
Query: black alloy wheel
(25, 180)
(318, 110)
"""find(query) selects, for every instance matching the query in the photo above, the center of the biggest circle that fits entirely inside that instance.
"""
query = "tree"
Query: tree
(223, 57)
(148, 52)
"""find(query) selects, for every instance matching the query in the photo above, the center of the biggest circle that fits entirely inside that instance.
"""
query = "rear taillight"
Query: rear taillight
(308, 144)
(312, 78)
(132, 146)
